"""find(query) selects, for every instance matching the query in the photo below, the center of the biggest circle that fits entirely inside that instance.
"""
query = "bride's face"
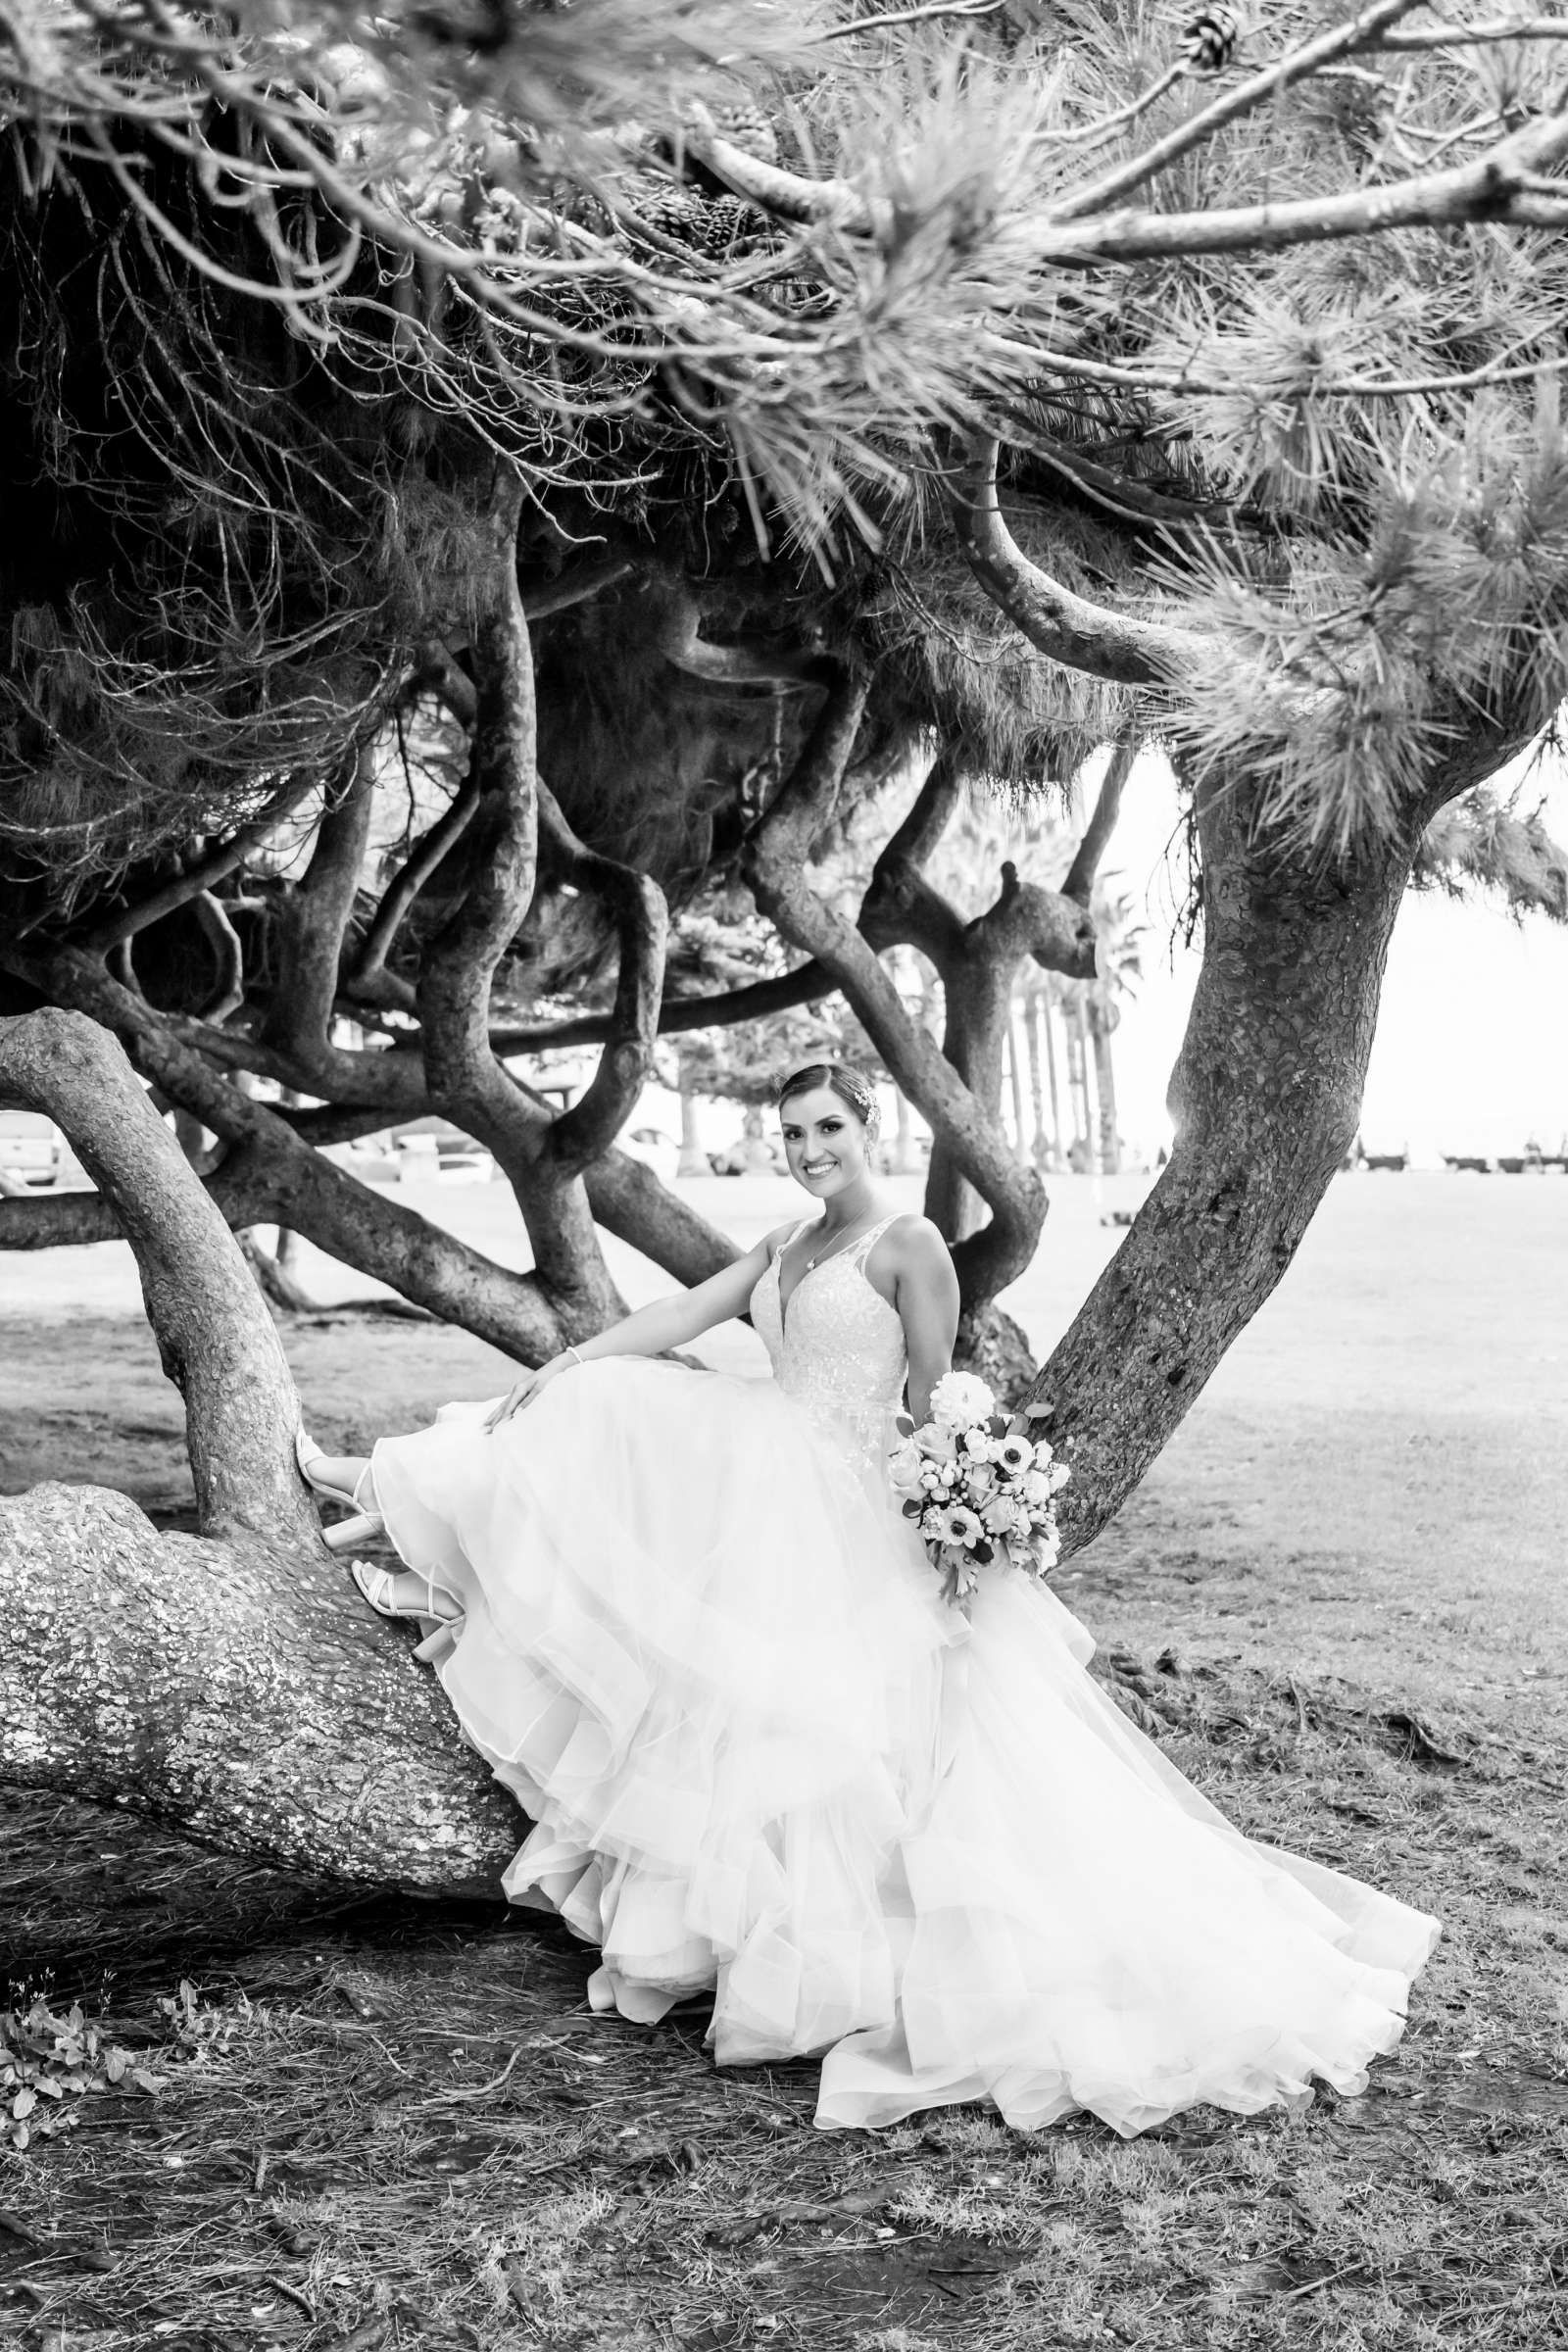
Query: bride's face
(824, 1142)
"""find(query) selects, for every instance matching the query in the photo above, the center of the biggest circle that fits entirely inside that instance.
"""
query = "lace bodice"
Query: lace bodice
(839, 1348)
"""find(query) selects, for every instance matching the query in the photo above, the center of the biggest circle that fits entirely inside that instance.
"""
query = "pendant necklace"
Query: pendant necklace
(827, 1247)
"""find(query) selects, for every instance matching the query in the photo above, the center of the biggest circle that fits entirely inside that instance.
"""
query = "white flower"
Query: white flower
(930, 1479)
(1015, 1454)
(1058, 1476)
(904, 1464)
(999, 1516)
(978, 1445)
(1045, 1453)
(958, 1400)
(959, 1526)
(1035, 1486)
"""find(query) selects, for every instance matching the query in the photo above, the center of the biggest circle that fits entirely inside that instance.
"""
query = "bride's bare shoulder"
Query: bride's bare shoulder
(912, 1243)
(773, 1243)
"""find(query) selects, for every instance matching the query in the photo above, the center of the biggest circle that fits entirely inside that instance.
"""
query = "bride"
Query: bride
(683, 1620)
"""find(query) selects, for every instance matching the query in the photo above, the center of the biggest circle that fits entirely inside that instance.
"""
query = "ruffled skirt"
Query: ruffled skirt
(764, 1759)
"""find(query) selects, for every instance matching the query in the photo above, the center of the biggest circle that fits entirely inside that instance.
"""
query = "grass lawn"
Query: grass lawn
(1339, 1597)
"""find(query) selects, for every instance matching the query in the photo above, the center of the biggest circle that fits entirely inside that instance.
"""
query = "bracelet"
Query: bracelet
(573, 1353)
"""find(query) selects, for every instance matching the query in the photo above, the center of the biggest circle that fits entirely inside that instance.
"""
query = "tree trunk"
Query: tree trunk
(905, 1159)
(1101, 1021)
(240, 1691)
(1082, 1153)
(217, 1345)
(1021, 1138)
(236, 1689)
(1266, 1096)
(1046, 1015)
(693, 1161)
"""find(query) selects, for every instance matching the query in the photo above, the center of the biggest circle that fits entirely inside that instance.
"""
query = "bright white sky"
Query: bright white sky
(1470, 1054)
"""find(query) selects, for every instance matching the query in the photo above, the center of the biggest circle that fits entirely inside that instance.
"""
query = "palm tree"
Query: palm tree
(1119, 932)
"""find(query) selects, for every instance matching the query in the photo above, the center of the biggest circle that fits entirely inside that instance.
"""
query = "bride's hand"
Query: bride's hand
(525, 1391)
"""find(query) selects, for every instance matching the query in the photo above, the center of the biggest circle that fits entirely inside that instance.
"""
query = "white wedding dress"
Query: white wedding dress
(765, 1758)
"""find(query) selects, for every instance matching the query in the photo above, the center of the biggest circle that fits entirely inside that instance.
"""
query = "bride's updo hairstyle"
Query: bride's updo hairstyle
(848, 1084)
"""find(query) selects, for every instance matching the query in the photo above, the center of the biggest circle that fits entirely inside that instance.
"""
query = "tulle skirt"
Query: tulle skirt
(763, 1759)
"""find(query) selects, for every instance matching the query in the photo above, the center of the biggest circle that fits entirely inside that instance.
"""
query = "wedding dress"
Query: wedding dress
(765, 1758)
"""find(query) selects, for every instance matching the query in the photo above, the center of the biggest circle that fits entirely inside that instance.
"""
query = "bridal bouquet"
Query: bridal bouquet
(978, 1487)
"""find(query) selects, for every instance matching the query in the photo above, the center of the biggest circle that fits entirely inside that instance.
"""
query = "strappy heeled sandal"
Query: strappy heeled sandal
(363, 1524)
(375, 1585)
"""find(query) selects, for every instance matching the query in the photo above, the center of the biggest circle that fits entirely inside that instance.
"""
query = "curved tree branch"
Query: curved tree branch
(785, 195)
(313, 918)
(807, 984)
(1065, 628)
(637, 906)
(574, 587)
(776, 862)
(760, 663)
(224, 941)
(117, 928)
(270, 1175)
(370, 982)
(1080, 881)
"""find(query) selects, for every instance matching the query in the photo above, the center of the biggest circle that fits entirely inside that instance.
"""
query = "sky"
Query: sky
(1471, 1054)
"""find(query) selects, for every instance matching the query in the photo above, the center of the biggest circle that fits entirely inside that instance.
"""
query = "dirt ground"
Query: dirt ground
(367, 2123)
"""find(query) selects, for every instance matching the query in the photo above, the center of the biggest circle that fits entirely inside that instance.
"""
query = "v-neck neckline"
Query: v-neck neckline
(784, 1304)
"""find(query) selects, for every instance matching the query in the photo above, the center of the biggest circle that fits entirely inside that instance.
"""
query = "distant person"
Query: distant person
(754, 1152)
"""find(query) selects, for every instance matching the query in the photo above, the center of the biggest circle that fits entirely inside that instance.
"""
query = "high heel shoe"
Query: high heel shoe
(363, 1524)
(375, 1585)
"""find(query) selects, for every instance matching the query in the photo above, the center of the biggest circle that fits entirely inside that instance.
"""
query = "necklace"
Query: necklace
(826, 1249)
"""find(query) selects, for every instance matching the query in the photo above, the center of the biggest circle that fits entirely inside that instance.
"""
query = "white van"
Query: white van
(31, 1150)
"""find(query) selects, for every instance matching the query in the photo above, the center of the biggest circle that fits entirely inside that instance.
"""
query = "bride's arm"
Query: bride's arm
(670, 1322)
(925, 1291)
(684, 1315)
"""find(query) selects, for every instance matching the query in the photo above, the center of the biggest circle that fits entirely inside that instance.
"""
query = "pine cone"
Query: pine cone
(744, 124)
(1208, 42)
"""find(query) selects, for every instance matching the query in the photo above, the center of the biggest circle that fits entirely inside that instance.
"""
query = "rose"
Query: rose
(1000, 1517)
(959, 1400)
(905, 1463)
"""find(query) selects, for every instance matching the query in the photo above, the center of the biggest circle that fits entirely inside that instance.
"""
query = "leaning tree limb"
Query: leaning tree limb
(270, 1175)
(1266, 1096)
(224, 1360)
(775, 860)
(232, 1685)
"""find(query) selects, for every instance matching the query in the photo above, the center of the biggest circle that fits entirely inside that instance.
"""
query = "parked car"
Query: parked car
(653, 1148)
(31, 1151)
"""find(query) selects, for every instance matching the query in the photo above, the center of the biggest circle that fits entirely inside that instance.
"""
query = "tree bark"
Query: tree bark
(1265, 1096)
(1101, 1021)
(234, 1688)
(693, 1159)
(239, 1691)
(216, 1343)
